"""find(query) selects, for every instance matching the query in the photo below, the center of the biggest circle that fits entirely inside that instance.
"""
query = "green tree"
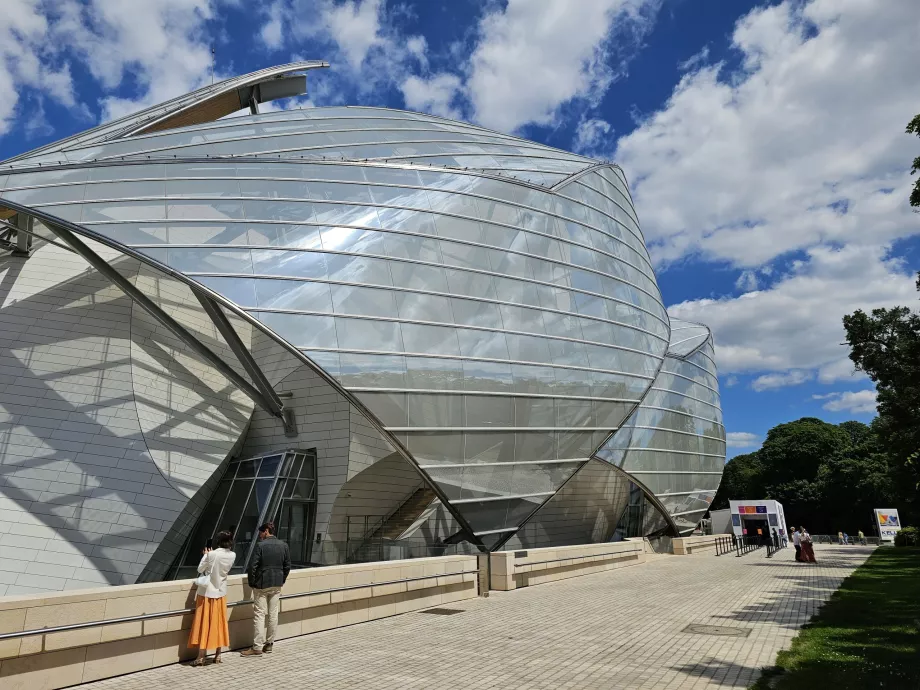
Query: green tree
(828, 477)
(742, 478)
(913, 127)
(886, 346)
(796, 450)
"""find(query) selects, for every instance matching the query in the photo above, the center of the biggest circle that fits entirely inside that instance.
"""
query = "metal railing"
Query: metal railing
(725, 545)
(851, 540)
(242, 602)
(746, 544)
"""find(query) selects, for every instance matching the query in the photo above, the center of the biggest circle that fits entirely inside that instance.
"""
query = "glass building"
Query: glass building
(461, 330)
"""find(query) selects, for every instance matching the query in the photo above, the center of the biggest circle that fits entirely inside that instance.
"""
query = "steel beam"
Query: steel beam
(23, 235)
(242, 353)
(165, 319)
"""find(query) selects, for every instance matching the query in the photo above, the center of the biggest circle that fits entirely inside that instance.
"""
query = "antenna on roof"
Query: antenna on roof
(212, 64)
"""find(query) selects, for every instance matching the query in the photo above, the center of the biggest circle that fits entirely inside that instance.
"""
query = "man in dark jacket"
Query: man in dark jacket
(268, 571)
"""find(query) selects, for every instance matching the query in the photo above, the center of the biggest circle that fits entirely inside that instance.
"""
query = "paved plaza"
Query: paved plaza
(620, 629)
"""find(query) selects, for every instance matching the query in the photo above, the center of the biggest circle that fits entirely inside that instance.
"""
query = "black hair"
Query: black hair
(270, 526)
(224, 540)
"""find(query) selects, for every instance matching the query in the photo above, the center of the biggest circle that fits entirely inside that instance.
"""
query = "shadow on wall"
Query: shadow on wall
(82, 502)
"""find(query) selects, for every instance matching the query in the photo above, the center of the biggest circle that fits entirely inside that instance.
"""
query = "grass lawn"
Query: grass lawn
(866, 636)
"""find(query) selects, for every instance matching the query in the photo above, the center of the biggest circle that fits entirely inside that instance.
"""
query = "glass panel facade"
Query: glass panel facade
(502, 330)
(278, 487)
(675, 441)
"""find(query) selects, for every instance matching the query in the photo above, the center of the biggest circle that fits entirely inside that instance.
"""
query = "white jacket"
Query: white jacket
(218, 563)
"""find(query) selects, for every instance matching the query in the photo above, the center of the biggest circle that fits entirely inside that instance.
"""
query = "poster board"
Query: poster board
(889, 524)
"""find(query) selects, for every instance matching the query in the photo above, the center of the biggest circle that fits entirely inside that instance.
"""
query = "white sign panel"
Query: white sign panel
(888, 523)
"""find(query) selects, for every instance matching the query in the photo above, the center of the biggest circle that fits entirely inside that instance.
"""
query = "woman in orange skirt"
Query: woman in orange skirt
(210, 629)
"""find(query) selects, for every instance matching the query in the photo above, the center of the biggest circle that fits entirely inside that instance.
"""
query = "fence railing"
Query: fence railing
(725, 545)
(745, 545)
(850, 540)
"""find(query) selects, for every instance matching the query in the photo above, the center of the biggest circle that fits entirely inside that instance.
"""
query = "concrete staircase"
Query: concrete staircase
(404, 516)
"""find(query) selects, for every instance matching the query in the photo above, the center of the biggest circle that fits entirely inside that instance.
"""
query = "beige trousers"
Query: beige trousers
(265, 602)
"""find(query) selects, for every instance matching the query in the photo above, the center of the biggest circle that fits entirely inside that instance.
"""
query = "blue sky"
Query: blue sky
(764, 142)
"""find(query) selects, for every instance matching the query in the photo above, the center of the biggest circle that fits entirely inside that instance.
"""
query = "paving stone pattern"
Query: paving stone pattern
(619, 629)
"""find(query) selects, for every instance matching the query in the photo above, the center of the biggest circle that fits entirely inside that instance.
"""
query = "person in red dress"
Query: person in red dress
(808, 551)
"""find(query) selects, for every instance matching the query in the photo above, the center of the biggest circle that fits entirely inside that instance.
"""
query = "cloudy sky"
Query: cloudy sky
(764, 142)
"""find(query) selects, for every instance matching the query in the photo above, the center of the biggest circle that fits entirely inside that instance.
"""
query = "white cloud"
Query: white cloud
(797, 323)
(160, 46)
(731, 381)
(592, 137)
(272, 31)
(363, 42)
(772, 381)
(435, 95)
(741, 439)
(29, 57)
(694, 61)
(355, 26)
(525, 61)
(747, 281)
(841, 369)
(535, 55)
(798, 148)
(850, 401)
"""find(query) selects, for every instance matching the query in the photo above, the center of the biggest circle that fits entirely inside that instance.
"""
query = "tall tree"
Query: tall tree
(741, 479)
(828, 477)
(913, 127)
(886, 346)
(796, 450)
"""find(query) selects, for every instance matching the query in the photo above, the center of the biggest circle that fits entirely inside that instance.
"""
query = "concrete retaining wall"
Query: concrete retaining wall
(514, 569)
(57, 660)
(686, 546)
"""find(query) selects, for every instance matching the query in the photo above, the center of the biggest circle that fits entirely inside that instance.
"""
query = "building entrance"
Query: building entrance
(755, 526)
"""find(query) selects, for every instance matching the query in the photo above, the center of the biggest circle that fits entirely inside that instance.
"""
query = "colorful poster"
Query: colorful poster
(888, 523)
(760, 509)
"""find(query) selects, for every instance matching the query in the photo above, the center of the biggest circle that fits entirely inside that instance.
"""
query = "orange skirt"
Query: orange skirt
(210, 629)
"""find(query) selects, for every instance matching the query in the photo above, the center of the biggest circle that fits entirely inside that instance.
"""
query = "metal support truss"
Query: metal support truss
(245, 358)
(16, 235)
(271, 405)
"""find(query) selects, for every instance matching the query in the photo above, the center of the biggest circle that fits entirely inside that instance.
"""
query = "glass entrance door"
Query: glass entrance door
(295, 526)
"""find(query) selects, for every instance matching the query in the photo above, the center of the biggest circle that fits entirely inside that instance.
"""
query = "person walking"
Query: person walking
(209, 627)
(797, 543)
(840, 538)
(862, 537)
(268, 571)
(808, 551)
